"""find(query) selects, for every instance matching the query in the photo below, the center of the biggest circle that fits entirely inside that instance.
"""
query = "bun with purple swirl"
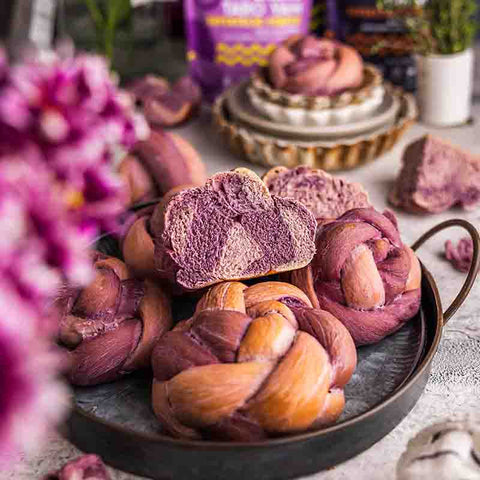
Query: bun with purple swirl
(155, 166)
(363, 274)
(231, 228)
(325, 195)
(166, 105)
(315, 66)
(253, 362)
(110, 327)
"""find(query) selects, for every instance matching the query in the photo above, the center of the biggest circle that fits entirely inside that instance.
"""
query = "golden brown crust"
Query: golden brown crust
(111, 327)
(224, 296)
(279, 369)
(156, 315)
(138, 249)
(273, 291)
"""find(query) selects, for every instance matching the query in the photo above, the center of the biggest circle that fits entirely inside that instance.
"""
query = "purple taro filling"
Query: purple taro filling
(292, 302)
(326, 196)
(232, 229)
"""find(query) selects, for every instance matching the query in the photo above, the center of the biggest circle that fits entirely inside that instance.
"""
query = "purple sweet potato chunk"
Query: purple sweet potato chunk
(231, 229)
(326, 196)
(460, 255)
(436, 176)
(86, 467)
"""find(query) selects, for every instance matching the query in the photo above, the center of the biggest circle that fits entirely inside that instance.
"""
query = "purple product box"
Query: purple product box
(228, 39)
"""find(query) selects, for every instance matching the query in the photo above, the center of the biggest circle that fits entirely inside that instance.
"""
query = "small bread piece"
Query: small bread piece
(326, 196)
(230, 229)
(86, 467)
(461, 254)
(436, 176)
(315, 66)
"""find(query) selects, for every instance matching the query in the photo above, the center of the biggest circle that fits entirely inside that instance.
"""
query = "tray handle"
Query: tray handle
(474, 268)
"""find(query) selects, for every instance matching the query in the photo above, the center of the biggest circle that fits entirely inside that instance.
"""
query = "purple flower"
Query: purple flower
(60, 121)
(31, 396)
(69, 114)
(42, 241)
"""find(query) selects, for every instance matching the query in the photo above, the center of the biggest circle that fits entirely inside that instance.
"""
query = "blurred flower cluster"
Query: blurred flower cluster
(60, 121)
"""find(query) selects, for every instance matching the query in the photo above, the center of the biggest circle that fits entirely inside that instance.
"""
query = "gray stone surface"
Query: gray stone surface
(454, 387)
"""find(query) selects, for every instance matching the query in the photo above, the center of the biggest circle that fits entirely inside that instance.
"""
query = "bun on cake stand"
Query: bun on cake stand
(315, 104)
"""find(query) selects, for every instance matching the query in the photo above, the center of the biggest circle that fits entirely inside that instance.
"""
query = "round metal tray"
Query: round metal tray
(116, 421)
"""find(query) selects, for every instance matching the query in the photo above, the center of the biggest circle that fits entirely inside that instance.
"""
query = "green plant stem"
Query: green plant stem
(106, 19)
(109, 34)
(98, 21)
(95, 13)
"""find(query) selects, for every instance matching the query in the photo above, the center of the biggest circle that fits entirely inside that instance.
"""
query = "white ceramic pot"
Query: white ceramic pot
(445, 84)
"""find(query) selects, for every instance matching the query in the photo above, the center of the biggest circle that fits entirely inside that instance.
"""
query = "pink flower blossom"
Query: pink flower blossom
(69, 114)
(31, 396)
(60, 121)
(42, 241)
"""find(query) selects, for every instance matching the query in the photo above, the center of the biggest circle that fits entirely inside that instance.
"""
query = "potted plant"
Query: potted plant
(443, 32)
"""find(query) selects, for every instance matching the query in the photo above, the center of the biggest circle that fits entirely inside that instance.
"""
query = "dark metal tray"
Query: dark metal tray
(116, 420)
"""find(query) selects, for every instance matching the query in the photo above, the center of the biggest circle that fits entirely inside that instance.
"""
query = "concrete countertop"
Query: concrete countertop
(454, 386)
